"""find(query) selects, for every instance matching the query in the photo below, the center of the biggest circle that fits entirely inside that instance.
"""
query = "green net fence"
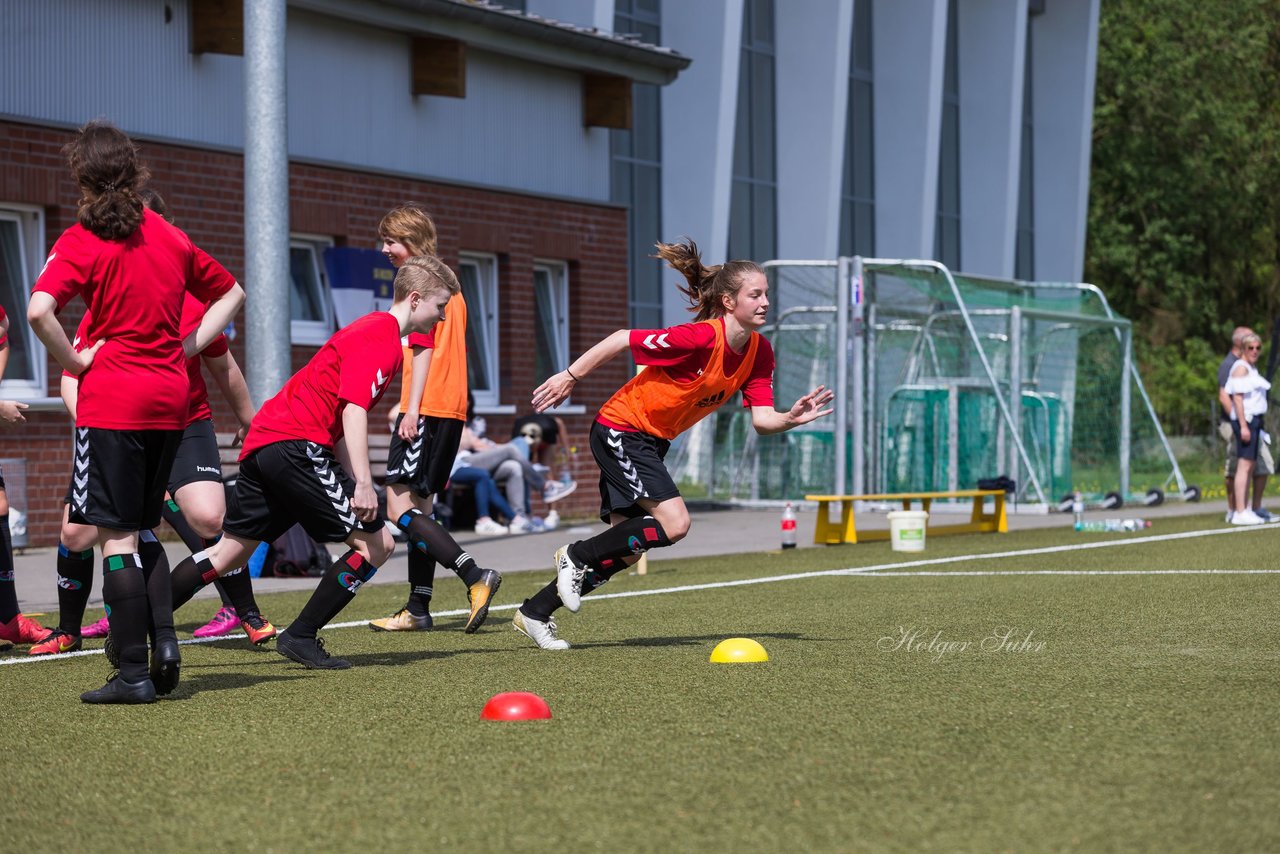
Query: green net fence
(935, 357)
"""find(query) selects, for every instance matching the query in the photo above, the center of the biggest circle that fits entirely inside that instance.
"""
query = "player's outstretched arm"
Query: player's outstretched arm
(558, 387)
(768, 420)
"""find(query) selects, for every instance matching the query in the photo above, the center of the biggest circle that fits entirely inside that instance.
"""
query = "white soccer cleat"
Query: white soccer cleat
(543, 634)
(569, 579)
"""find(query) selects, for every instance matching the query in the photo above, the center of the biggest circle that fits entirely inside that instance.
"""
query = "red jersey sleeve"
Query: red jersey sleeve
(81, 339)
(67, 269)
(417, 339)
(208, 279)
(362, 375)
(758, 389)
(672, 346)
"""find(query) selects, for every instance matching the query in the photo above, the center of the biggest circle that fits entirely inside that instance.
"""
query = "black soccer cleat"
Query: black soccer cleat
(118, 690)
(309, 652)
(166, 661)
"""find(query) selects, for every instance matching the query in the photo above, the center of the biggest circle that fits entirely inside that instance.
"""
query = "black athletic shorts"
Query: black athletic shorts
(293, 481)
(631, 468)
(197, 458)
(1248, 450)
(118, 477)
(424, 464)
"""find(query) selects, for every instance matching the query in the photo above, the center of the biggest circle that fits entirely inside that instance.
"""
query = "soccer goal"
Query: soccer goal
(943, 379)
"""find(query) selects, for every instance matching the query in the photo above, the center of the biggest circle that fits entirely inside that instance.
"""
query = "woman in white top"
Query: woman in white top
(1248, 390)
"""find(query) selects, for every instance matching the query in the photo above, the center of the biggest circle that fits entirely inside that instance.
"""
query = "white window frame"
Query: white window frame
(30, 221)
(557, 273)
(313, 333)
(483, 313)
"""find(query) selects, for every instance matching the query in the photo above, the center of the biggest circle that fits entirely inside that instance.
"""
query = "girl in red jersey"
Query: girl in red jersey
(133, 271)
(692, 369)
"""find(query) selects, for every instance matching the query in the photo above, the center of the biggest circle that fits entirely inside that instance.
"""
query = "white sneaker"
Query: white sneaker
(490, 528)
(543, 634)
(554, 490)
(551, 522)
(1264, 514)
(1230, 513)
(521, 524)
(1245, 517)
(568, 579)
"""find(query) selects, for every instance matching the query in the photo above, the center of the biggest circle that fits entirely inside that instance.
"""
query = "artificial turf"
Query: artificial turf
(1125, 712)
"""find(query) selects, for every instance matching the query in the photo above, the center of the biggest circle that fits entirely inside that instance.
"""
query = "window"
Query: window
(21, 244)
(753, 214)
(637, 170)
(478, 275)
(551, 317)
(858, 195)
(310, 303)
(946, 241)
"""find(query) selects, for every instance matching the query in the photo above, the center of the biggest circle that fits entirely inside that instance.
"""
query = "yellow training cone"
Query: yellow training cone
(738, 651)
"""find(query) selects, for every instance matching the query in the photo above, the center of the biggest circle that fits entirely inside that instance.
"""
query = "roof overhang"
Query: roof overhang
(511, 33)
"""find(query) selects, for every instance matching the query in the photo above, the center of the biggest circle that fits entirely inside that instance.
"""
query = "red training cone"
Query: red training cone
(515, 706)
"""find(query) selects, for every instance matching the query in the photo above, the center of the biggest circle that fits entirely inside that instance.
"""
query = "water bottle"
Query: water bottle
(1077, 508)
(788, 527)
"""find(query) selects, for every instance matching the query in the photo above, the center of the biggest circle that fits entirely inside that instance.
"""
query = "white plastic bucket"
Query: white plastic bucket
(906, 530)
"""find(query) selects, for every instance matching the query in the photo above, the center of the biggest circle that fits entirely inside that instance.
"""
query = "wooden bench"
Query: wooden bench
(379, 446)
(980, 520)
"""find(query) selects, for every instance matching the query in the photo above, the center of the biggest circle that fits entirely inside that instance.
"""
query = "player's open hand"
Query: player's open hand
(84, 358)
(553, 392)
(810, 407)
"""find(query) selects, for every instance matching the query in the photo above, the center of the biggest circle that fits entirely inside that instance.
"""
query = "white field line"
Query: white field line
(887, 570)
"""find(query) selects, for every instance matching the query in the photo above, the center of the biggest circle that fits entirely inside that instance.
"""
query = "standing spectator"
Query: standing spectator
(1263, 466)
(1248, 392)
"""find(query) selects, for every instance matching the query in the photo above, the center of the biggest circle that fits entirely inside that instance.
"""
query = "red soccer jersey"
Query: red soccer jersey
(133, 288)
(4, 335)
(354, 366)
(192, 313)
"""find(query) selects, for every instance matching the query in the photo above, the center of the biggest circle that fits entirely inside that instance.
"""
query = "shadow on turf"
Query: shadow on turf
(684, 640)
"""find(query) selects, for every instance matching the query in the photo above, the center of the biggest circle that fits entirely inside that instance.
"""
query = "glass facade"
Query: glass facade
(637, 170)
(753, 205)
(858, 193)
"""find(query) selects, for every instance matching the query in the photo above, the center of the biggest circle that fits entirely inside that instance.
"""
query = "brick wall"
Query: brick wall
(205, 192)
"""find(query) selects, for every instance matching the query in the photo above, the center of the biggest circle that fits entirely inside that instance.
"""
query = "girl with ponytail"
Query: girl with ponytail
(690, 370)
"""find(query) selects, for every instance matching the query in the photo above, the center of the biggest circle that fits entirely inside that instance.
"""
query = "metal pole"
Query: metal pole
(842, 371)
(857, 384)
(1015, 383)
(1126, 346)
(266, 199)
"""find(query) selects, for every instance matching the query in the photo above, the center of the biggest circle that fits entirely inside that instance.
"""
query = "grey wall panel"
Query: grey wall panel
(69, 61)
(520, 126)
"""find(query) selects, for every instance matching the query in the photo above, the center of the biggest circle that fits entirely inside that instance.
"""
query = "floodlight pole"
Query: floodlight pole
(266, 200)
(1015, 387)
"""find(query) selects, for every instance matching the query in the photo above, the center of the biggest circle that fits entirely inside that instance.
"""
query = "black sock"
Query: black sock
(8, 592)
(335, 590)
(155, 572)
(426, 534)
(190, 576)
(422, 573)
(632, 537)
(236, 588)
(75, 583)
(124, 590)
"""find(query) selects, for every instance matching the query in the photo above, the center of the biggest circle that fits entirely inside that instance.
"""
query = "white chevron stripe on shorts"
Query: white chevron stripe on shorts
(332, 486)
(628, 468)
